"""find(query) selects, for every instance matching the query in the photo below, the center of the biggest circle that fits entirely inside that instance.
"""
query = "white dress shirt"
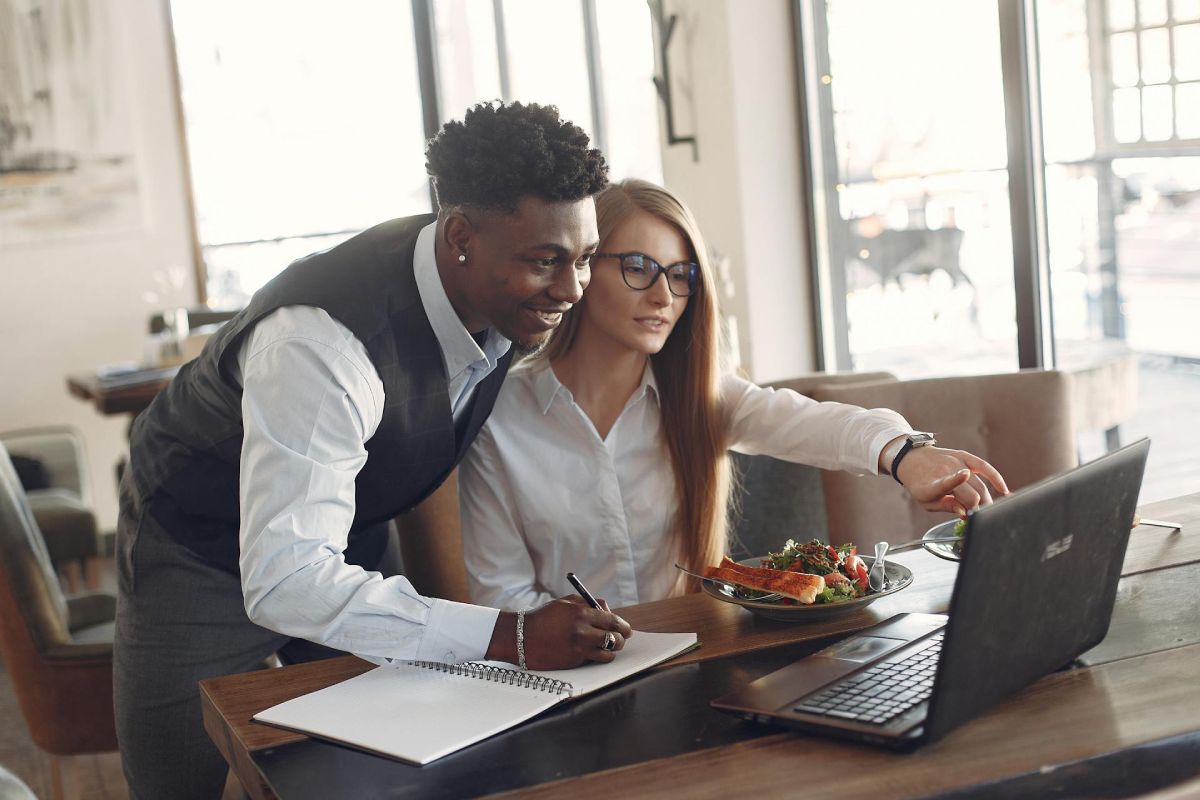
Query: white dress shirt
(311, 399)
(542, 495)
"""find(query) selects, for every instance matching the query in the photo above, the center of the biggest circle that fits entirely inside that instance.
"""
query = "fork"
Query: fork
(766, 597)
(915, 543)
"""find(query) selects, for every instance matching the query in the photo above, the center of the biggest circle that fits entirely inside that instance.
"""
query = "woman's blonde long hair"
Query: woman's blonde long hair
(688, 372)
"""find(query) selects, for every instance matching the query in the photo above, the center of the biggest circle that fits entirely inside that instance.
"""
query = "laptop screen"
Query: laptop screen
(1037, 584)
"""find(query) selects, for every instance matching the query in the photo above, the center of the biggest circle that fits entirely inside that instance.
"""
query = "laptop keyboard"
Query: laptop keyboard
(881, 693)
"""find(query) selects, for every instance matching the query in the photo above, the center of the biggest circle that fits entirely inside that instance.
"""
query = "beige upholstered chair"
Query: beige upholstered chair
(1021, 422)
(778, 500)
(63, 509)
(431, 545)
(58, 651)
(808, 384)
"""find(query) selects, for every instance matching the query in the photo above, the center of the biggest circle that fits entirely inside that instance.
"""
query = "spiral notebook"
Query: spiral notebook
(419, 711)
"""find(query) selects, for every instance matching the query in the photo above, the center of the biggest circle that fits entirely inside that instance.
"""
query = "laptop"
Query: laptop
(1035, 589)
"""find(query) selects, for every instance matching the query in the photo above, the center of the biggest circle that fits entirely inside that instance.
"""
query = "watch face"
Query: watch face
(922, 439)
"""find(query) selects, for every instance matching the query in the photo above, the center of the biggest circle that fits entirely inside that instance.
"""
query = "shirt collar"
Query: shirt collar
(459, 350)
(649, 383)
(546, 386)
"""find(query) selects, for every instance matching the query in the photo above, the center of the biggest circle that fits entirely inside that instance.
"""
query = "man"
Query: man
(262, 478)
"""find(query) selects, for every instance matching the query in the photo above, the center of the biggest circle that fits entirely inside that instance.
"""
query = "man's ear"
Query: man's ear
(457, 234)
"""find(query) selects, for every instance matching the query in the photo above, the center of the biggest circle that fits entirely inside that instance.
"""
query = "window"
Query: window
(919, 265)
(1151, 89)
(917, 221)
(305, 121)
(523, 50)
(299, 144)
(1123, 209)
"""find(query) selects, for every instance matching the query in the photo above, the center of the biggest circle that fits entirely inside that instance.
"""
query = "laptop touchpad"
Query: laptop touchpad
(861, 648)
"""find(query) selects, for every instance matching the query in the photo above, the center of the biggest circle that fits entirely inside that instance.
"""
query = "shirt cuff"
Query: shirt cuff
(457, 632)
(879, 442)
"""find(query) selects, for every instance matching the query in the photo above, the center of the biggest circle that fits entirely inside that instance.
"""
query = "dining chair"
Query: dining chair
(1020, 422)
(58, 650)
(776, 500)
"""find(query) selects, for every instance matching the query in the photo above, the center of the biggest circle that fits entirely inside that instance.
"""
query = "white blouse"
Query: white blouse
(543, 495)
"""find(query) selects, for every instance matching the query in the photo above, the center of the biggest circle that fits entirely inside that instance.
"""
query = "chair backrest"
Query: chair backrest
(60, 450)
(1020, 422)
(431, 545)
(197, 317)
(777, 500)
(25, 564)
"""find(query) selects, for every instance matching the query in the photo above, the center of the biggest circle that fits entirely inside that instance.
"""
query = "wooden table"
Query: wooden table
(130, 396)
(1140, 686)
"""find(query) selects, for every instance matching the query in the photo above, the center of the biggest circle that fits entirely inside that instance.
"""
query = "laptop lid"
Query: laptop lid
(1036, 585)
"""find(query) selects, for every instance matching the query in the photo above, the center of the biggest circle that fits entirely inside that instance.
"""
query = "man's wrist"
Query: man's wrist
(503, 646)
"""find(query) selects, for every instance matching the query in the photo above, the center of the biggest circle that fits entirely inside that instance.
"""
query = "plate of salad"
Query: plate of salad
(951, 551)
(842, 586)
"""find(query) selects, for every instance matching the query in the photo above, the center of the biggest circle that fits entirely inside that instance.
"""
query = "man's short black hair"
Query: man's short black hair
(501, 152)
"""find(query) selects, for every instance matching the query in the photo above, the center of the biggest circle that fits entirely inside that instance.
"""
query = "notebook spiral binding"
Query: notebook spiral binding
(489, 672)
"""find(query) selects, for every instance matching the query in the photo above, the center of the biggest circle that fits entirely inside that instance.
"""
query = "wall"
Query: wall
(66, 306)
(735, 85)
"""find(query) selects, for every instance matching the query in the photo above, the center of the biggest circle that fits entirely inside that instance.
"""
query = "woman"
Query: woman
(606, 454)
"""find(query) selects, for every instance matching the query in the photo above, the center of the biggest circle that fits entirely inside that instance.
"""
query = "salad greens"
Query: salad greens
(814, 557)
(817, 558)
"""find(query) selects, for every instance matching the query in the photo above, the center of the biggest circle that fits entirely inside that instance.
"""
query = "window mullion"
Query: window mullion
(827, 230)
(1026, 183)
(595, 73)
(502, 51)
(422, 11)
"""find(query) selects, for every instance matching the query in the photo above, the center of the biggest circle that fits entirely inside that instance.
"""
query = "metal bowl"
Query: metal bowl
(951, 551)
(898, 576)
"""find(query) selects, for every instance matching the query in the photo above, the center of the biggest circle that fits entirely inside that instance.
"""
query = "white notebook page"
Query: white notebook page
(418, 714)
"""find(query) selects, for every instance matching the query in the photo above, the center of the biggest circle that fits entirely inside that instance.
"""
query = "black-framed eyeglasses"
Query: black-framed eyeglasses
(640, 271)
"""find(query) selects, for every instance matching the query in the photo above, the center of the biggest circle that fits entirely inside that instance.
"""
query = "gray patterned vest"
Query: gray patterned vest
(185, 448)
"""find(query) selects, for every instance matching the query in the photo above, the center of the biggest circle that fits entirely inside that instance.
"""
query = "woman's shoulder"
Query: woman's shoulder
(524, 375)
(524, 385)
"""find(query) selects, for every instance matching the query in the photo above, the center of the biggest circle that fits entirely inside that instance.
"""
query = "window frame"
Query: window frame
(1031, 274)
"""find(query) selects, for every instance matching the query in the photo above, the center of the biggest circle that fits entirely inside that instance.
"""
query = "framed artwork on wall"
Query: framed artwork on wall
(68, 165)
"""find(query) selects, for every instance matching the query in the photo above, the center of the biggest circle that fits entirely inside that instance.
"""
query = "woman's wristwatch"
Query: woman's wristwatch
(914, 439)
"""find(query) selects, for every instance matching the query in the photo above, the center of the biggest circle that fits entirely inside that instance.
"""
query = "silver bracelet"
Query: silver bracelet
(521, 639)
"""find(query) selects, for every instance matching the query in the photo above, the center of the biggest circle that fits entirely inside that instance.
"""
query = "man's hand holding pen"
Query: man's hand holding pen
(561, 634)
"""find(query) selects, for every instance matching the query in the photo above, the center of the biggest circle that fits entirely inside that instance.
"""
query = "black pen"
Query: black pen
(583, 592)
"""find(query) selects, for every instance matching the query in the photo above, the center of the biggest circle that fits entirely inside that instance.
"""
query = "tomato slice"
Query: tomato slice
(856, 570)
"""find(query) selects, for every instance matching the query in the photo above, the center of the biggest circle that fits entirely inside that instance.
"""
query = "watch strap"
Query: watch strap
(910, 441)
(904, 448)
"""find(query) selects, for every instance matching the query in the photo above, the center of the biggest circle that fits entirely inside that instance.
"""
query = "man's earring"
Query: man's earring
(462, 257)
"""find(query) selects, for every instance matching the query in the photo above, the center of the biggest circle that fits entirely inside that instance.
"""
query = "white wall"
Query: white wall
(735, 84)
(68, 306)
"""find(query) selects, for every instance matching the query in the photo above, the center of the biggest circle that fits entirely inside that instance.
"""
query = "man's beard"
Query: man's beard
(527, 349)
